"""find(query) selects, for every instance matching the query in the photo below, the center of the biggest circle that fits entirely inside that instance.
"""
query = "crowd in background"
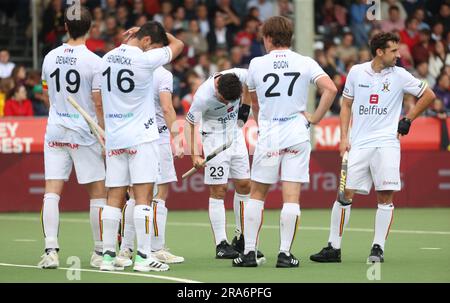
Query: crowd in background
(221, 34)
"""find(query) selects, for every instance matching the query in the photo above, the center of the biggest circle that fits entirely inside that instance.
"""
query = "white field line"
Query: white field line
(109, 272)
(198, 224)
(430, 248)
(25, 240)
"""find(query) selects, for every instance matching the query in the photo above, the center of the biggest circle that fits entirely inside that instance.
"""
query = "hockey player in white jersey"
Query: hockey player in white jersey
(72, 70)
(217, 106)
(373, 96)
(165, 119)
(278, 83)
(132, 155)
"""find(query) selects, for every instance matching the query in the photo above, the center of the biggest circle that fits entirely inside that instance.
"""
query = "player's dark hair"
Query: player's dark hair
(77, 25)
(156, 32)
(280, 29)
(380, 41)
(229, 86)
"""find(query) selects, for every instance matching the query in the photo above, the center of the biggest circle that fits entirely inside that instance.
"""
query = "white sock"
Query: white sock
(289, 220)
(159, 224)
(239, 202)
(110, 221)
(340, 215)
(218, 220)
(128, 231)
(253, 219)
(383, 221)
(96, 207)
(50, 220)
(143, 217)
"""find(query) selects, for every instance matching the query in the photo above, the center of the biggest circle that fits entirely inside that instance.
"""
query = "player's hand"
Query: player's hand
(197, 162)
(403, 127)
(130, 33)
(179, 150)
(309, 118)
(343, 147)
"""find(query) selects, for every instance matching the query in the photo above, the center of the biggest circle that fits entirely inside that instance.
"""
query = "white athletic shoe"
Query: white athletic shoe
(164, 256)
(124, 258)
(49, 260)
(109, 263)
(148, 264)
(96, 260)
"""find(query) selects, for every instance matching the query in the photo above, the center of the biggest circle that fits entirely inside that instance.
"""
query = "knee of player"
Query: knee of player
(218, 191)
(242, 187)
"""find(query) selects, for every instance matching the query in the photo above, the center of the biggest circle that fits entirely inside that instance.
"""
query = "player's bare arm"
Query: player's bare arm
(255, 105)
(422, 104)
(191, 135)
(170, 117)
(97, 98)
(345, 115)
(329, 91)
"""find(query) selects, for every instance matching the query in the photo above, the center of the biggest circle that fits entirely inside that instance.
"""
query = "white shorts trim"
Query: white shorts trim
(60, 157)
(134, 165)
(377, 165)
(293, 162)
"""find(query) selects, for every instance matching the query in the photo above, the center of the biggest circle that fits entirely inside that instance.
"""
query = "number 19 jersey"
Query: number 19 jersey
(281, 80)
(70, 71)
(127, 93)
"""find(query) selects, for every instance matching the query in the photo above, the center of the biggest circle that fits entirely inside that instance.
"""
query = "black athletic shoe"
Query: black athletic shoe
(225, 251)
(327, 255)
(285, 261)
(248, 260)
(238, 244)
(376, 254)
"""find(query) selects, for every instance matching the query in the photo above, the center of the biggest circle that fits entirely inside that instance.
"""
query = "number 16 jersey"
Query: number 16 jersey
(281, 80)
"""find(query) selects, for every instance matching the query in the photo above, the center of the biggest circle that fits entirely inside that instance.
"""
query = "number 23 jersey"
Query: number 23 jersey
(281, 80)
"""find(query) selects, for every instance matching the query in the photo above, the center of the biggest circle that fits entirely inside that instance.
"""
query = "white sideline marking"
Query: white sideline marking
(25, 240)
(430, 248)
(108, 272)
(198, 224)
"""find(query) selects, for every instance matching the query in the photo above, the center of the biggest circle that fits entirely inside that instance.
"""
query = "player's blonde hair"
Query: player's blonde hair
(280, 29)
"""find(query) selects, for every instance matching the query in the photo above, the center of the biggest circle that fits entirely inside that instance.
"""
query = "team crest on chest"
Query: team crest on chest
(386, 85)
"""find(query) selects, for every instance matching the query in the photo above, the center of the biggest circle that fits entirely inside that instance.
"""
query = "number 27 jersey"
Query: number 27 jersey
(281, 80)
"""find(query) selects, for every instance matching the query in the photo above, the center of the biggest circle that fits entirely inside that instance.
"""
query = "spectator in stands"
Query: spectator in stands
(98, 18)
(266, 8)
(137, 12)
(421, 51)
(410, 35)
(420, 15)
(364, 55)
(38, 99)
(439, 111)
(110, 29)
(166, 10)
(19, 105)
(360, 28)
(442, 89)
(94, 43)
(189, 7)
(193, 81)
(122, 17)
(180, 66)
(195, 39)
(444, 16)
(6, 87)
(6, 67)
(236, 57)
(387, 4)
(423, 74)
(141, 20)
(180, 21)
(346, 52)
(205, 68)
(246, 36)
(19, 75)
(438, 59)
(394, 21)
(52, 25)
(254, 13)
(332, 18)
(286, 9)
(220, 36)
(333, 64)
(231, 18)
(223, 64)
(152, 7)
(203, 21)
(111, 7)
(437, 31)
(168, 23)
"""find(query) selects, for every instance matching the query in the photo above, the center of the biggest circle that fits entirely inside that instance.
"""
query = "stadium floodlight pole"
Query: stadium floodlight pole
(304, 43)
(34, 19)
